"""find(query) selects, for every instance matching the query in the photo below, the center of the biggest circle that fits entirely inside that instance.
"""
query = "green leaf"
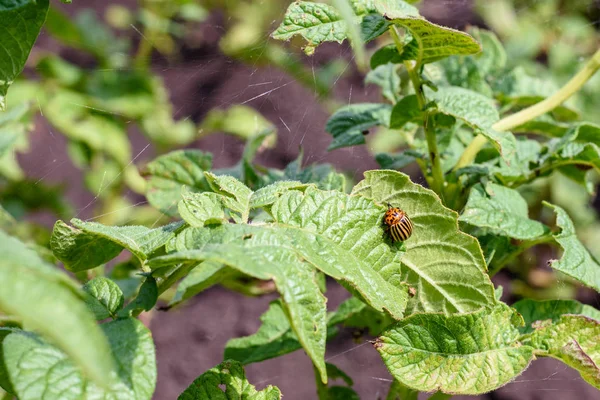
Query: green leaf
(21, 22)
(39, 370)
(268, 195)
(386, 76)
(394, 161)
(457, 354)
(389, 54)
(404, 111)
(47, 301)
(260, 253)
(105, 297)
(79, 250)
(348, 123)
(535, 312)
(198, 209)
(465, 72)
(274, 338)
(227, 381)
(502, 211)
(435, 41)
(92, 244)
(144, 301)
(445, 265)
(477, 111)
(576, 261)
(238, 120)
(167, 174)
(323, 175)
(200, 278)
(517, 88)
(236, 195)
(315, 22)
(73, 114)
(493, 57)
(573, 339)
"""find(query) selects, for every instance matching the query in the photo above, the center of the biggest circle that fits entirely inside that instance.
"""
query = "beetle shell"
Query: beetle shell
(399, 225)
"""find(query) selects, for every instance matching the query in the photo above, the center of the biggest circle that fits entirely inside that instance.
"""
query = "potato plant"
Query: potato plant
(483, 133)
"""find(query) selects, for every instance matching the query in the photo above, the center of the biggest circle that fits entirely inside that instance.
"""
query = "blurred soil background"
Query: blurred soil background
(190, 339)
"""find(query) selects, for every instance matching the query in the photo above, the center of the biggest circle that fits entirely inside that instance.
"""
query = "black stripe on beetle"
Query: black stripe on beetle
(399, 226)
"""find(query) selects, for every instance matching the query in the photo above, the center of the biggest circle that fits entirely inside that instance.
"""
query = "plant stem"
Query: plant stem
(322, 392)
(440, 396)
(529, 113)
(525, 245)
(400, 392)
(437, 183)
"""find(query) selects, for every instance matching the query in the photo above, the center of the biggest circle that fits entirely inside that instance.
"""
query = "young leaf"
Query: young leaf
(573, 339)
(389, 54)
(268, 195)
(167, 174)
(475, 110)
(105, 297)
(144, 301)
(100, 243)
(315, 22)
(274, 338)
(502, 211)
(435, 41)
(404, 111)
(227, 381)
(47, 301)
(456, 354)
(348, 123)
(386, 76)
(21, 22)
(38, 370)
(576, 261)
(534, 312)
(236, 195)
(198, 209)
(238, 120)
(445, 265)
(200, 278)
(79, 250)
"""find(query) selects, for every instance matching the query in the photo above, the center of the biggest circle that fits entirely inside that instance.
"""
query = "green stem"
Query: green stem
(529, 113)
(525, 245)
(400, 392)
(437, 183)
(322, 392)
(440, 396)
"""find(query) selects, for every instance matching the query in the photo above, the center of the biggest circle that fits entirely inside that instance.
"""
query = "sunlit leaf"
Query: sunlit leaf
(457, 354)
(227, 381)
(21, 22)
(502, 211)
(47, 301)
(38, 370)
(105, 297)
(444, 265)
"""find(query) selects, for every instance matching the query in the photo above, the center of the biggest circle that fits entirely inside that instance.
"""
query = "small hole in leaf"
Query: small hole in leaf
(223, 387)
(247, 236)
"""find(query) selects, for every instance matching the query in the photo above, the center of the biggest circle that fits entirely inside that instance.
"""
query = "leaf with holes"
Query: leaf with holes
(502, 211)
(573, 339)
(576, 261)
(227, 381)
(444, 265)
(534, 312)
(456, 354)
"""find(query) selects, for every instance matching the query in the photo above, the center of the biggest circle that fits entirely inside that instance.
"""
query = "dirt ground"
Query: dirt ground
(190, 339)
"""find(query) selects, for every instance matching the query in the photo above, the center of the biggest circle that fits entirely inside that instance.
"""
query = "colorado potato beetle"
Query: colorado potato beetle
(400, 227)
